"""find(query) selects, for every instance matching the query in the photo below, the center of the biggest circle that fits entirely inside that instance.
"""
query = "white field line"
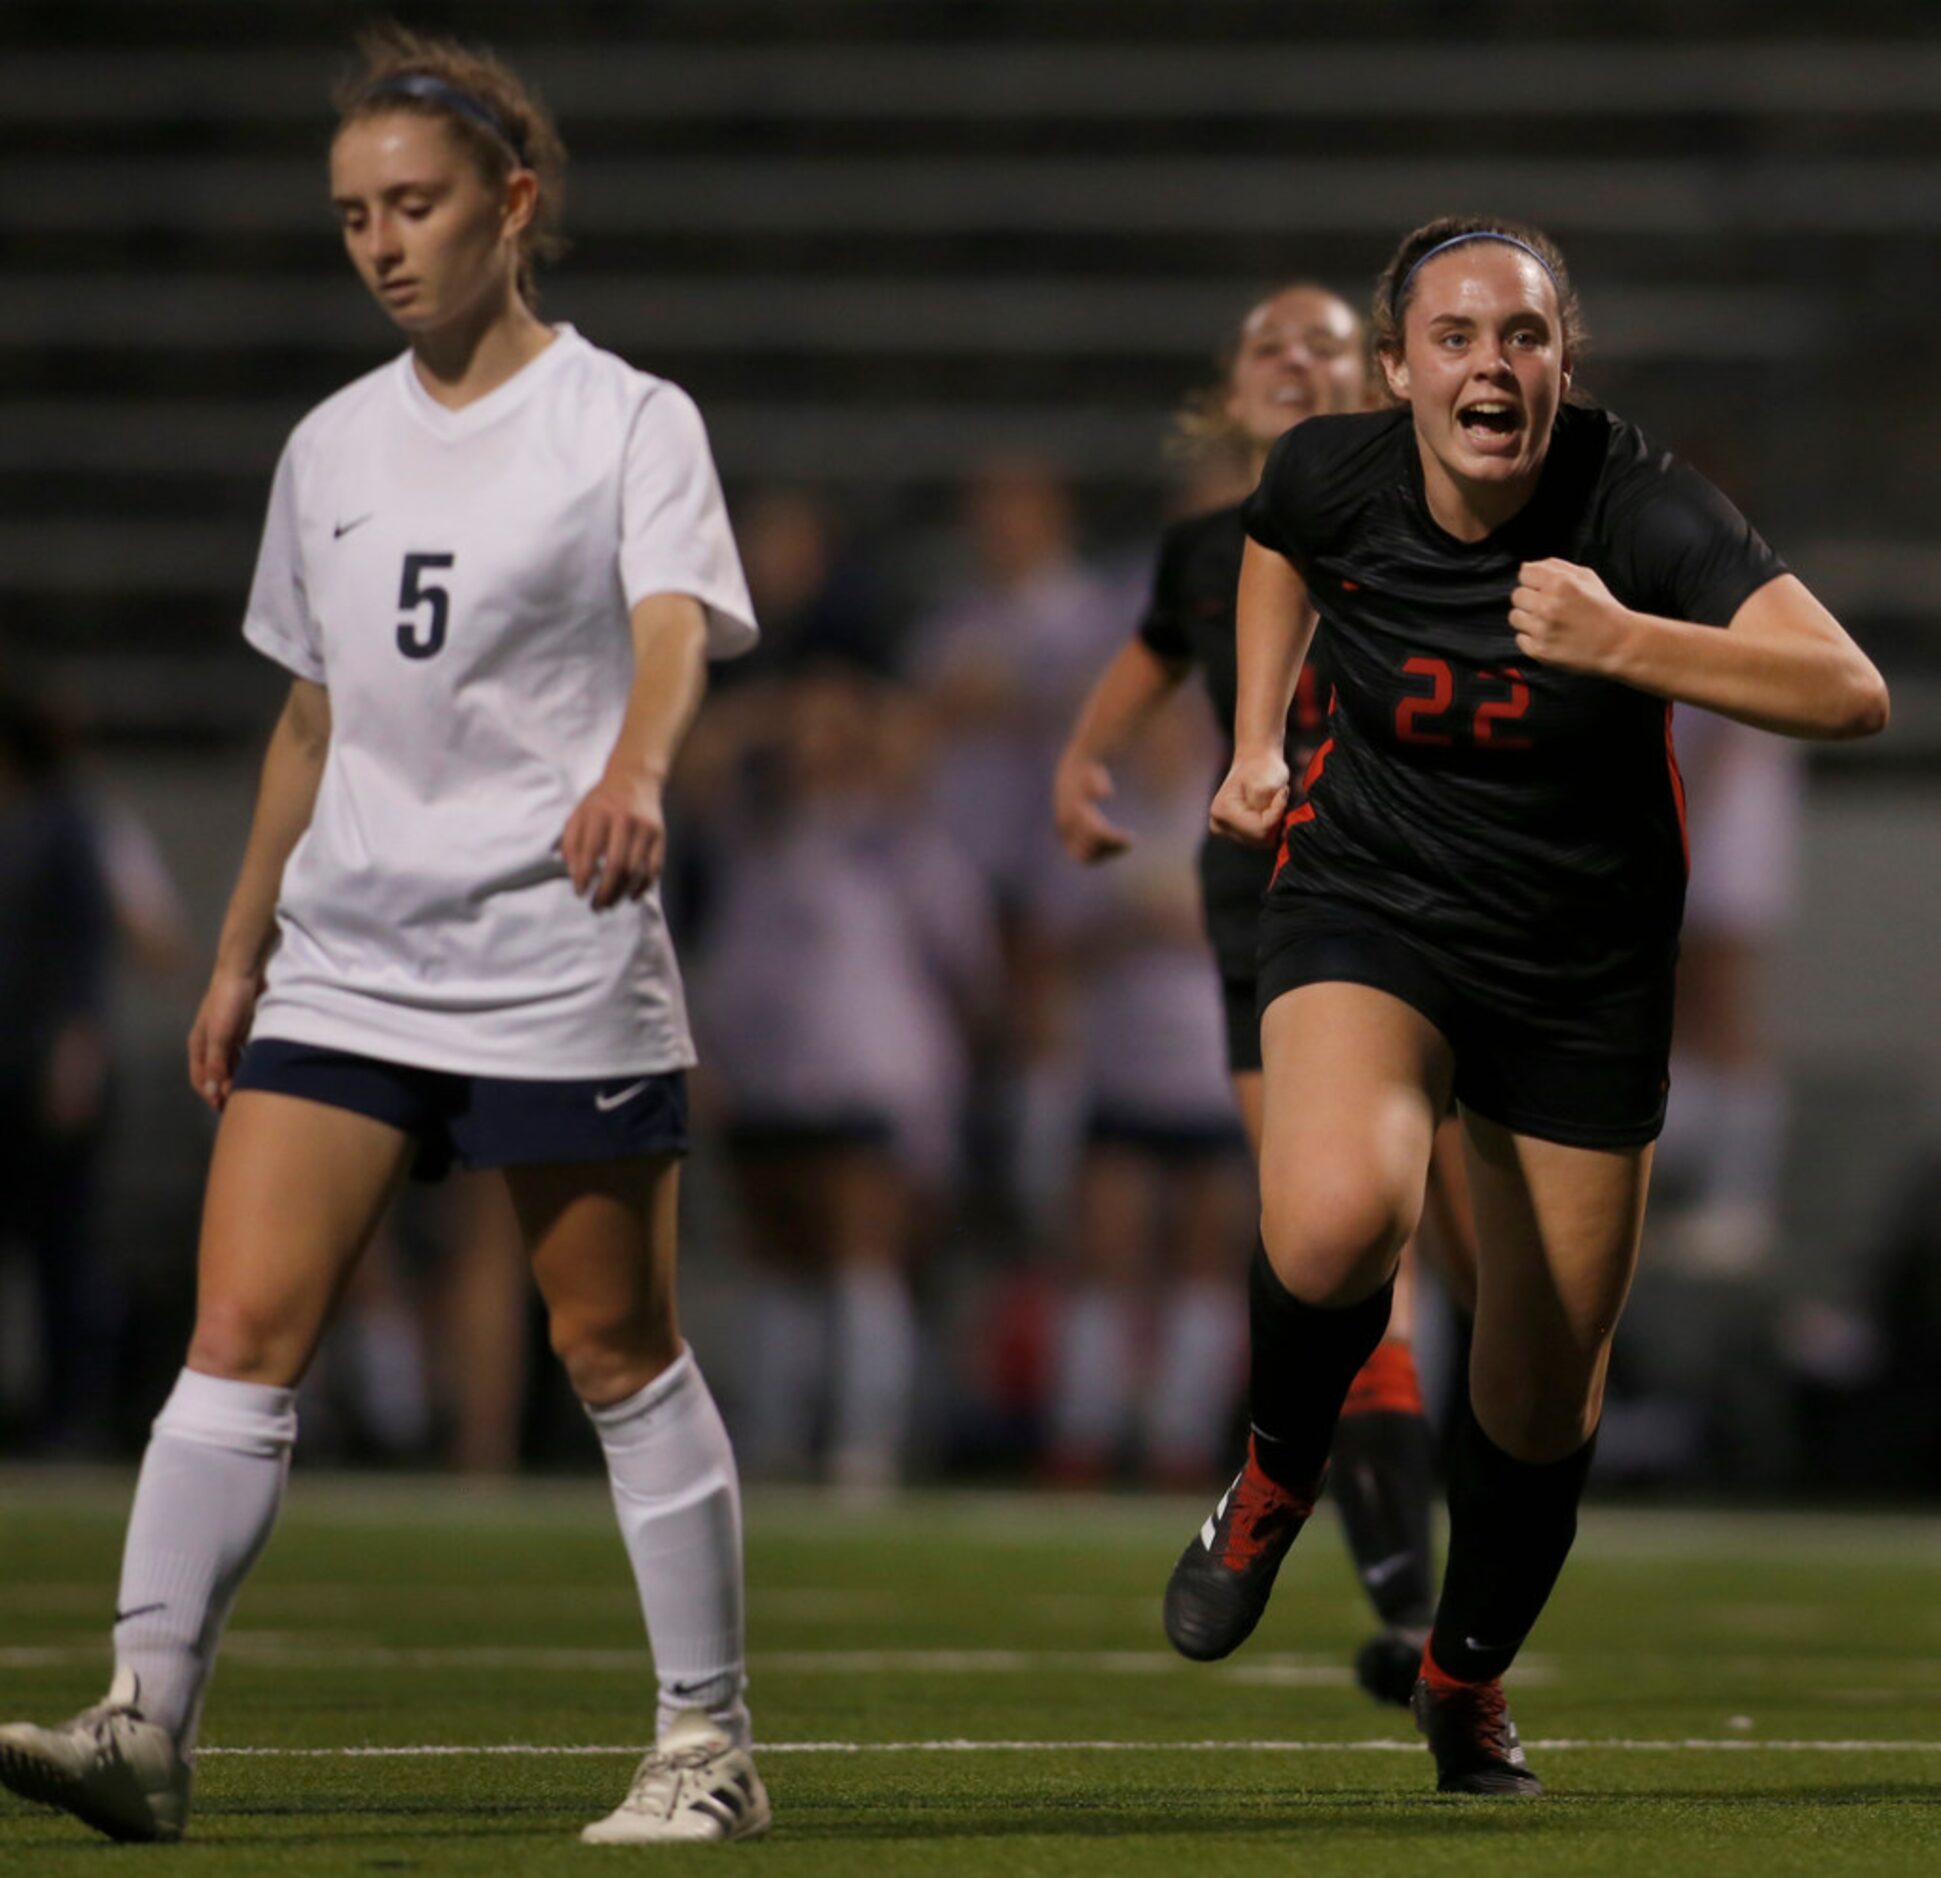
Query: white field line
(1558, 1746)
(265, 1651)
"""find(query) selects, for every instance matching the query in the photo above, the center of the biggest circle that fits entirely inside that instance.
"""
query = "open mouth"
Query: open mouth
(1490, 423)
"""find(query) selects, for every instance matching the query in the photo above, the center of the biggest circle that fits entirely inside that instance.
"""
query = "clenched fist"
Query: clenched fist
(1252, 800)
(1564, 615)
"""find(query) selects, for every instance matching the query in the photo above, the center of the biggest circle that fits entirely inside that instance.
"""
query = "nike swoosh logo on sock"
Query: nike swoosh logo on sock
(1384, 1569)
(140, 1610)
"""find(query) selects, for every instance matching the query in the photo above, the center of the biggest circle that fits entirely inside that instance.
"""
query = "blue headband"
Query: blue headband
(1456, 241)
(429, 89)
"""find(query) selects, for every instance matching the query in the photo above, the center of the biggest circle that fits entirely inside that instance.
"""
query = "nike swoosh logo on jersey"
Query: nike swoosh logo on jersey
(605, 1102)
(344, 528)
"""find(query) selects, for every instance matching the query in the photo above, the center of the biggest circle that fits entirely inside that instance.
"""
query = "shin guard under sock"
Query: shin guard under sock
(1381, 1476)
(1304, 1358)
(1511, 1524)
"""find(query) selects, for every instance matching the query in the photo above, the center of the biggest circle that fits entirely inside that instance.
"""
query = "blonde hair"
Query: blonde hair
(509, 129)
(1201, 426)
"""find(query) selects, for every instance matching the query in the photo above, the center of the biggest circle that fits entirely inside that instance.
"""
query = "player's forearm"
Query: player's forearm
(1785, 665)
(1273, 625)
(1125, 700)
(670, 674)
(286, 797)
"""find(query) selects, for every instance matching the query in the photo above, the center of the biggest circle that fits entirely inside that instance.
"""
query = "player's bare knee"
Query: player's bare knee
(1332, 1240)
(1331, 1256)
(242, 1344)
(1537, 1419)
(611, 1360)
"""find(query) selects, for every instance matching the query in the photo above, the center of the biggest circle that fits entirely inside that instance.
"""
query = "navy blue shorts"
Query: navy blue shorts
(481, 1121)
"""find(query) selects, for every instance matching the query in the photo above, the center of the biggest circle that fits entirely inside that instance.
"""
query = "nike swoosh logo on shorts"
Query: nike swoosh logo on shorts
(605, 1102)
(344, 528)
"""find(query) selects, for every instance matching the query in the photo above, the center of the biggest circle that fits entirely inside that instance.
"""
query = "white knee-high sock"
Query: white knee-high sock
(787, 1359)
(1196, 1372)
(210, 1485)
(1097, 1351)
(875, 1366)
(674, 1489)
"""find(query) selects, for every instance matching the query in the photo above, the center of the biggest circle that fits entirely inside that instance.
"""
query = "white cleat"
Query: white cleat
(109, 1767)
(697, 1787)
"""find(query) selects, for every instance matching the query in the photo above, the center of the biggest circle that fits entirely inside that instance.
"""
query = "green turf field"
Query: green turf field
(978, 1684)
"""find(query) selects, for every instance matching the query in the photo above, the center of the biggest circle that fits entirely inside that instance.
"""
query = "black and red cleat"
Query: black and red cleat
(1221, 1584)
(1471, 1735)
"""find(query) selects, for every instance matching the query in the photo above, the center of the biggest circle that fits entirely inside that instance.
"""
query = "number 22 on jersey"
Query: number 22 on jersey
(423, 637)
(1422, 718)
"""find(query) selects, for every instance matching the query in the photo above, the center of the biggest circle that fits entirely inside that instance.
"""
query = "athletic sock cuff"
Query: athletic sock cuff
(1485, 1463)
(240, 1417)
(613, 1417)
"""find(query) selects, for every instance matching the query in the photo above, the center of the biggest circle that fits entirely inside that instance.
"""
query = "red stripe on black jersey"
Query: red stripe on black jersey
(1304, 812)
(1677, 792)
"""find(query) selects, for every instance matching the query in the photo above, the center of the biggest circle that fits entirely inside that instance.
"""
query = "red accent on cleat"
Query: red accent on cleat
(1259, 1515)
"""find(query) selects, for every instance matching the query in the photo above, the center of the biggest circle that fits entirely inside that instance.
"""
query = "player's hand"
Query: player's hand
(220, 1030)
(615, 842)
(1252, 801)
(1564, 615)
(1077, 789)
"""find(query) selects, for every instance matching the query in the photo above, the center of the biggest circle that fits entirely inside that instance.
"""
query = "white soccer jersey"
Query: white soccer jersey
(461, 582)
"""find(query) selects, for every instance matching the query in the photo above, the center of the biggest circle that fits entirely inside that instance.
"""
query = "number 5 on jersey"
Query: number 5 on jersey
(423, 640)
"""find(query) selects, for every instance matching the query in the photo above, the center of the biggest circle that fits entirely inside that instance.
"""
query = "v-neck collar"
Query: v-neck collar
(452, 425)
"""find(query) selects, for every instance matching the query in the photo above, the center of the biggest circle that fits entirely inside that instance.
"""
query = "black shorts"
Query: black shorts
(1161, 1138)
(1240, 999)
(481, 1121)
(1588, 1075)
(767, 1138)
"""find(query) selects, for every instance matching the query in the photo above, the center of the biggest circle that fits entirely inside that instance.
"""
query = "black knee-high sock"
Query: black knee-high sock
(1381, 1477)
(1511, 1524)
(1304, 1358)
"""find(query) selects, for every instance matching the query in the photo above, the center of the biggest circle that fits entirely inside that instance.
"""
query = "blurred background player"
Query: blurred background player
(57, 932)
(1725, 1120)
(1152, 1317)
(1000, 665)
(1478, 898)
(848, 943)
(1300, 351)
(445, 944)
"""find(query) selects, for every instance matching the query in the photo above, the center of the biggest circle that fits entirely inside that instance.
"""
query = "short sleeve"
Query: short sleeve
(1694, 557)
(674, 533)
(1276, 511)
(1162, 630)
(278, 622)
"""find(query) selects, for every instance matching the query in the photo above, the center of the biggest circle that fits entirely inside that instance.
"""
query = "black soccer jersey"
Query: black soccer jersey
(1525, 823)
(1190, 621)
